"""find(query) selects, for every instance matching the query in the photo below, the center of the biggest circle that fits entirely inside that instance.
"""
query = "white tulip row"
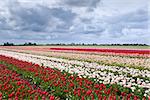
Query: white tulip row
(120, 70)
(89, 69)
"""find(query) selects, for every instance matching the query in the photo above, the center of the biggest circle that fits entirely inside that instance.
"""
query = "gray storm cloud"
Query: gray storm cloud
(71, 21)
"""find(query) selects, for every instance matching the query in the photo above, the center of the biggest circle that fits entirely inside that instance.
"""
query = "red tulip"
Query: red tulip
(74, 92)
(19, 83)
(52, 98)
(43, 98)
(96, 86)
(11, 95)
(16, 98)
(1, 95)
(36, 97)
(136, 98)
(88, 92)
(104, 98)
(71, 85)
(79, 93)
(82, 98)
(66, 91)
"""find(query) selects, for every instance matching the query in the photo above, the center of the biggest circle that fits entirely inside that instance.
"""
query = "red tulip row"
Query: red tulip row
(105, 50)
(13, 86)
(124, 52)
(60, 84)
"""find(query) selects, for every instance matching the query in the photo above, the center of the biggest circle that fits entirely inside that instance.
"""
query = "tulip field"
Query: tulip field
(74, 73)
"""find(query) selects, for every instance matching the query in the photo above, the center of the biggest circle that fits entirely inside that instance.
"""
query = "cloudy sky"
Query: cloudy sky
(78, 21)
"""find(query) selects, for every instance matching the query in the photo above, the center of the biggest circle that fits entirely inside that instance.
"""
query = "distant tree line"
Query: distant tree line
(71, 44)
(25, 44)
(29, 44)
(8, 44)
(94, 44)
(126, 44)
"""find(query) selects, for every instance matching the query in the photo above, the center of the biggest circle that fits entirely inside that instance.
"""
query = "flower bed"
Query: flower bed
(111, 60)
(136, 79)
(105, 50)
(63, 85)
(13, 86)
(82, 51)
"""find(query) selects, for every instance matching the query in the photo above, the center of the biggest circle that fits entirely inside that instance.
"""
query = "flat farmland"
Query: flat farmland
(75, 72)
